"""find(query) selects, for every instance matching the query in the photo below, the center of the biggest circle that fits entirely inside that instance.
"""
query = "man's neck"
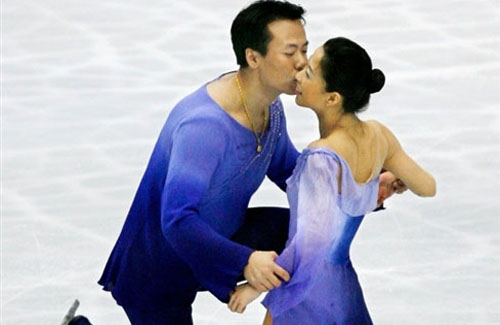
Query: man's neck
(257, 96)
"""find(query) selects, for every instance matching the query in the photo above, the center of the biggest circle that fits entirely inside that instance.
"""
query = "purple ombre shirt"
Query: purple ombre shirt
(192, 198)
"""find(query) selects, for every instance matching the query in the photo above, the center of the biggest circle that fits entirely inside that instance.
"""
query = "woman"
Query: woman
(333, 185)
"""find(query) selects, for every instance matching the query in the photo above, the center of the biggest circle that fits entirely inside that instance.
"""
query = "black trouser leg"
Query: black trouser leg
(176, 312)
(264, 229)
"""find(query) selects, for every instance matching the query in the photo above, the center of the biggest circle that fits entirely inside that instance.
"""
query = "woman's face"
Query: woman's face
(310, 83)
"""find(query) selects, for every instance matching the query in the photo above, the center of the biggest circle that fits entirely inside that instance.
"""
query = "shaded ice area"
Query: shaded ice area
(87, 85)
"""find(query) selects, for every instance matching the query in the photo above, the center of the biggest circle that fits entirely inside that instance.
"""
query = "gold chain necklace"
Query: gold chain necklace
(259, 146)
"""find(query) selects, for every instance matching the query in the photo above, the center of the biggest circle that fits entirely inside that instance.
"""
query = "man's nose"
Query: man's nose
(302, 62)
(298, 75)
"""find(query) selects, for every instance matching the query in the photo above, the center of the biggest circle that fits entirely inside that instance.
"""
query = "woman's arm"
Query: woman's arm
(241, 297)
(418, 180)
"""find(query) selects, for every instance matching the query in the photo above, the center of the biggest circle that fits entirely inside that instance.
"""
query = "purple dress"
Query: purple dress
(324, 216)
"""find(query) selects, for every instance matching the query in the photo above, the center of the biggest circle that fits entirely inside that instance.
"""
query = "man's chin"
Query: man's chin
(297, 101)
(291, 89)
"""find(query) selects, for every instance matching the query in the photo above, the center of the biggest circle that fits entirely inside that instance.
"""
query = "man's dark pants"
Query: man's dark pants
(264, 229)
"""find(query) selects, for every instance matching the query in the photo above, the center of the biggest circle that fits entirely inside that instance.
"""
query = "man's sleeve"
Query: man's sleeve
(217, 262)
(284, 157)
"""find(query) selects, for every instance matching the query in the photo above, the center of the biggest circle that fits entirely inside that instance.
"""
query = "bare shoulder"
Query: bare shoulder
(220, 91)
(219, 86)
(320, 143)
(338, 142)
(328, 143)
(381, 130)
(376, 125)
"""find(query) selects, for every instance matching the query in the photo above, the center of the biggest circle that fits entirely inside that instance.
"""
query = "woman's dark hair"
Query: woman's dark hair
(347, 69)
(250, 27)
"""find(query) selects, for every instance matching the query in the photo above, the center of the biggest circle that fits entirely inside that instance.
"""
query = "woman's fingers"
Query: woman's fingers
(233, 302)
(236, 305)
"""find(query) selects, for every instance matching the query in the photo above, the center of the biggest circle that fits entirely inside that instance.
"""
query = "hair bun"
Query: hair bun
(377, 81)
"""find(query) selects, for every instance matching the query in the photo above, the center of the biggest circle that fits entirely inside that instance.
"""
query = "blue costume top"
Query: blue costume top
(325, 214)
(192, 198)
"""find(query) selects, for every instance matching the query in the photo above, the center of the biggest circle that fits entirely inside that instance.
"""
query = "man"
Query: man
(189, 227)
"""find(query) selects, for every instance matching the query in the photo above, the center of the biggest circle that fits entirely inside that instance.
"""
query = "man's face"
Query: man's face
(286, 56)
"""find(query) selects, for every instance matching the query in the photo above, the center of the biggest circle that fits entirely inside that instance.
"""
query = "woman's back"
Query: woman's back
(368, 147)
(363, 146)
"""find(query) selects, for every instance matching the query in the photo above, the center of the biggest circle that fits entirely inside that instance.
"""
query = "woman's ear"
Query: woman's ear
(253, 58)
(334, 99)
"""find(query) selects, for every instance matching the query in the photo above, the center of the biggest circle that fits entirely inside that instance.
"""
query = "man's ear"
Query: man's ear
(253, 58)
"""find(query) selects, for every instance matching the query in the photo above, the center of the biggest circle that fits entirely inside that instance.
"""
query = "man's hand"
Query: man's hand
(262, 272)
(389, 185)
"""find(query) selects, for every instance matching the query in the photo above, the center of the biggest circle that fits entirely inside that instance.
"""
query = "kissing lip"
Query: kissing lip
(297, 91)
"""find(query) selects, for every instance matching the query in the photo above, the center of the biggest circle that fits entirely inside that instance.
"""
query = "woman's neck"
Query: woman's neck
(329, 122)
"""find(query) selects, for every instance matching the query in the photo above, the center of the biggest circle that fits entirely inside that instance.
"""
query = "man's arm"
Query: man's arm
(216, 261)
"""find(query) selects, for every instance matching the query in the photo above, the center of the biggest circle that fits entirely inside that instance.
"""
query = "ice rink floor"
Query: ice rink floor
(87, 85)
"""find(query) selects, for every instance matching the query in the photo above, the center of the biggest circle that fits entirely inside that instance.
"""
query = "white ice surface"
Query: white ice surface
(87, 85)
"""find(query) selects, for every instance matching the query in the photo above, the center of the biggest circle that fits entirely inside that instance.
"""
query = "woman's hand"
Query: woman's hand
(241, 297)
(389, 185)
